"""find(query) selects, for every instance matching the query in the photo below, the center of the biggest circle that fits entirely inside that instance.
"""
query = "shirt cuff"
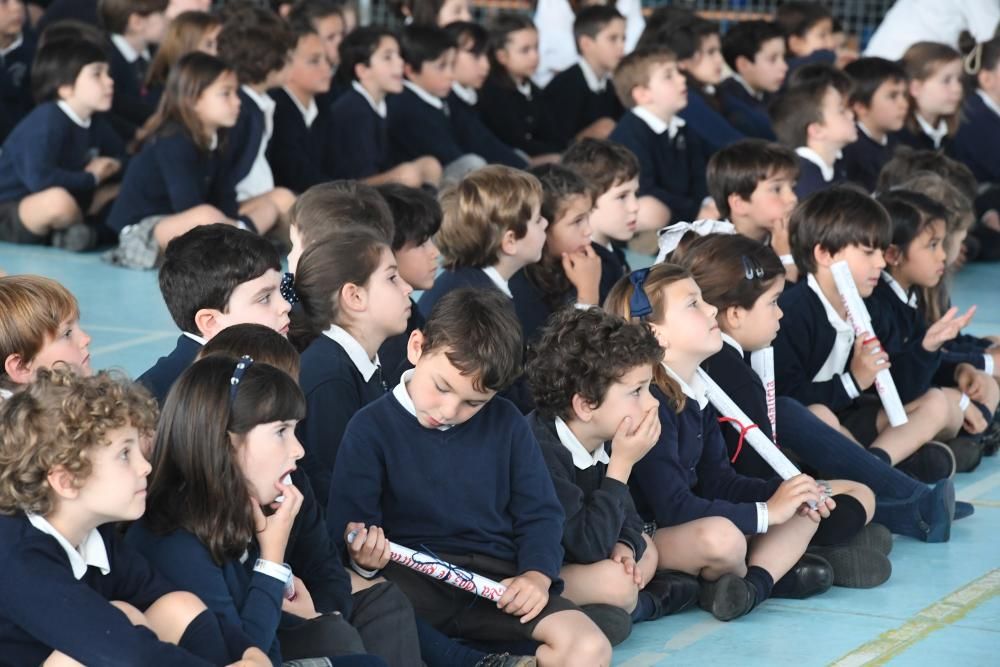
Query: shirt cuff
(963, 403)
(762, 520)
(988, 365)
(279, 571)
(849, 386)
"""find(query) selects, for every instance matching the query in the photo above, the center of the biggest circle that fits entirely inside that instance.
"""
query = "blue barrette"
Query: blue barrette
(639, 305)
(287, 288)
(242, 365)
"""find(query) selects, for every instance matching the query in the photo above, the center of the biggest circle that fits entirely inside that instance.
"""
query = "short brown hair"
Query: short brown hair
(602, 163)
(834, 219)
(479, 209)
(33, 309)
(262, 344)
(740, 167)
(480, 335)
(254, 51)
(328, 207)
(584, 352)
(720, 264)
(56, 421)
(801, 105)
(114, 14)
(634, 71)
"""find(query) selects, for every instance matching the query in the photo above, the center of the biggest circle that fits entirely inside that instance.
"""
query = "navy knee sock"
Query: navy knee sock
(880, 454)
(843, 523)
(644, 608)
(204, 638)
(762, 582)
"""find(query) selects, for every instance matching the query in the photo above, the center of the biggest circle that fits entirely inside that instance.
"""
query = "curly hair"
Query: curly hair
(584, 352)
(55, 422)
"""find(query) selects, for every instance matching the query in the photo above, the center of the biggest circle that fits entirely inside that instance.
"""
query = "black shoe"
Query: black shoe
(673, 592)
(968, 452)
(728, 598)
(935, 514)
(929, 464)
(874, 536)
(811, 576)
(75, 238)
(963, 509)
(855, 567)
(614, 622)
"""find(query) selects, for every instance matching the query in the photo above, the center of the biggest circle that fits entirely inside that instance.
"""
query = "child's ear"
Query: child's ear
(661, 335)
(742, 63)
(737, 205)
(858, 108)
(17, 369)
(732, 317)
(62, 482)
(415, 346)
(502, 56)
(585, 42)
(814, 130)
(796, 45)
(640, 95)
(582, 408)
(353, 297)
(893, 255)
(822, 256)
(207, 322)
(408, 71)
(914, 88)
(508, 243)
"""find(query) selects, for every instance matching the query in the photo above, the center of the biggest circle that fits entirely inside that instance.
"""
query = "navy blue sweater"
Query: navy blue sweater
(159, 378)
(452, 279)
(518, 121)
(479, 139)
(568, 98)
(416, 129)
(335, 391)
(672, 170)
(171, 175)
(43, 607)
(707, 123)
(130, 108)
(244, 139)
(533, 306)
(360, 142)
(977, 143)
(48, 150)
(250, 600)
(599, 510)
(480, 487)
(300, 156)
(864, 159)
(811, 177)
(919, 140)
(745, 112)
(687, 475)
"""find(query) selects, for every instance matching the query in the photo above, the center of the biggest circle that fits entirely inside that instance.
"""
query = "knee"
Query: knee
(992, 391)
(284, 199)
(825, 415)
(206, 214)
(720, 541)
(135, 617)
(620, 588)
(591, 648)
(61, 205)
(180, 605)
(861, 493)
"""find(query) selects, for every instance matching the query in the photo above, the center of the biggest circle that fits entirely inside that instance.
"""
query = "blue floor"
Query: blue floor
(941, 605)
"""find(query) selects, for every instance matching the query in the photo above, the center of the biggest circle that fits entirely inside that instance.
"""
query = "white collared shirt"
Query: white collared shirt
(936, 134)
(402, 395)
(696, 390)
(308, 113)
(843, 343)
(213, 142)
(897, 289)
(826, 170)
(524, 88)
(201, 340)
(657, 124)
(747, 87)
(381, 109)
(498, 280)
(435, 102)
(260, 178)
(864, 130)
(596, 85)
(354, 350)
(990, 103)
(582, 459)
(468, 95)
(92, 552)
(68, 110)
(18, 41)
(729, 340)
(128, 52)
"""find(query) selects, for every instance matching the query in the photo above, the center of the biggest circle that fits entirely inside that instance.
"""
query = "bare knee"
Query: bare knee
(570, 638)
(720, 541)
(591, 648)
(49, 209)
(57, 659)
(825, 415)
(619, 587)
(135, 617)
(170, 616)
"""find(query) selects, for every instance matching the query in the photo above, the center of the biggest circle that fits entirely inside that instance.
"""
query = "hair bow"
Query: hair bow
(670, 237)
(287, 288)
(639, 305)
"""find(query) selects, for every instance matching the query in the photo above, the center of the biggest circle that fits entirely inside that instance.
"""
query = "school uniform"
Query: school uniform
(15, 81)
(517, 115)
(599, 510)
(745, 108)
(392, 353)
(161, 376)
(687, 476)
(927, 137)
(302, 151)
(360, 135)
(55, 597)
(614, 265)
(420, 124)
(533, 306)
(706, 121)
(129, 109)
(977, 143)
(473, 133)
(671, 161)
(817, 57)
(815, 174)
(247, 142)
(84, 11)
(408, 479)
(578, 98)
(338, 379)
(863, 160)
(466, 276)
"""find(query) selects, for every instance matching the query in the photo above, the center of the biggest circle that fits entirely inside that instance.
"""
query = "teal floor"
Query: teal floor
(942, 604)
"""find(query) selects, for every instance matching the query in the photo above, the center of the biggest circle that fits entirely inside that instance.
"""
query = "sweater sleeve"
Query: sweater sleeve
(177, 159)
(358, 481)
(329, 406)
(913, 367)
(791, 353)
(716, 477)
(36, 162)
(354, 142)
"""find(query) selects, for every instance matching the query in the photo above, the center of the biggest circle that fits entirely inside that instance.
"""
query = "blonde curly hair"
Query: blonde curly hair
(55, 422)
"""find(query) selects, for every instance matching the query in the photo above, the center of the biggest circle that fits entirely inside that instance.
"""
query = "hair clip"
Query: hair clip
(639, 305)
(242, 365)
(287, 288)
(973, 61)
(751, 268)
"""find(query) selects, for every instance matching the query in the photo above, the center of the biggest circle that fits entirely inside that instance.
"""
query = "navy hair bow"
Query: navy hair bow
(234, 382)
(287, 288)
(639, 305)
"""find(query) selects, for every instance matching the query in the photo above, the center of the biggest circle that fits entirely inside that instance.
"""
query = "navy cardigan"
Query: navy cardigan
(863, 160)
(300, 156)
(161, 376)
(709, 125)
(745, 112)
(479, 139)
(416, 129)
(517, 120)
(244, 139)
(977, 143)
(568, 98)
(360, 138)
(811, 177)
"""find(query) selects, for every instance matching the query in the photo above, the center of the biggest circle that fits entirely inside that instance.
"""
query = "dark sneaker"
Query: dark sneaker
(929, 464)
(855, 567)
(728, 598)
(614, 622)
(968, 452)
(75, 238)
(673, 591)
(935, 513)
(873, 536)
(963, 509)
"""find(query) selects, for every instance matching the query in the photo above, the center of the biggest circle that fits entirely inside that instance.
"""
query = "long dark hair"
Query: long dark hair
(197, 484)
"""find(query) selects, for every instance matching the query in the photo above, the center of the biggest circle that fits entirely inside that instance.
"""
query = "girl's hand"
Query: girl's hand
(302, 604)
(584, 271)
(789, 498)
(253, 657)
(971, 382)
(973, 420)
(526, 595)
(273, 531)
(622, 553)
(946, 328)
(369, 548)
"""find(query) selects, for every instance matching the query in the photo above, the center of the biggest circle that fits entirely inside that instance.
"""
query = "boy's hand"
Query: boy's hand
(302, 604)
(780, 242)
(622, 553)
(946, 328)
(973, 420)
(869, 358)
(370, 548)
(790, 497)
(630, 444)
(584, 271)
(971, 382)
(103, 168)
(526, 595)
(273, 531)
